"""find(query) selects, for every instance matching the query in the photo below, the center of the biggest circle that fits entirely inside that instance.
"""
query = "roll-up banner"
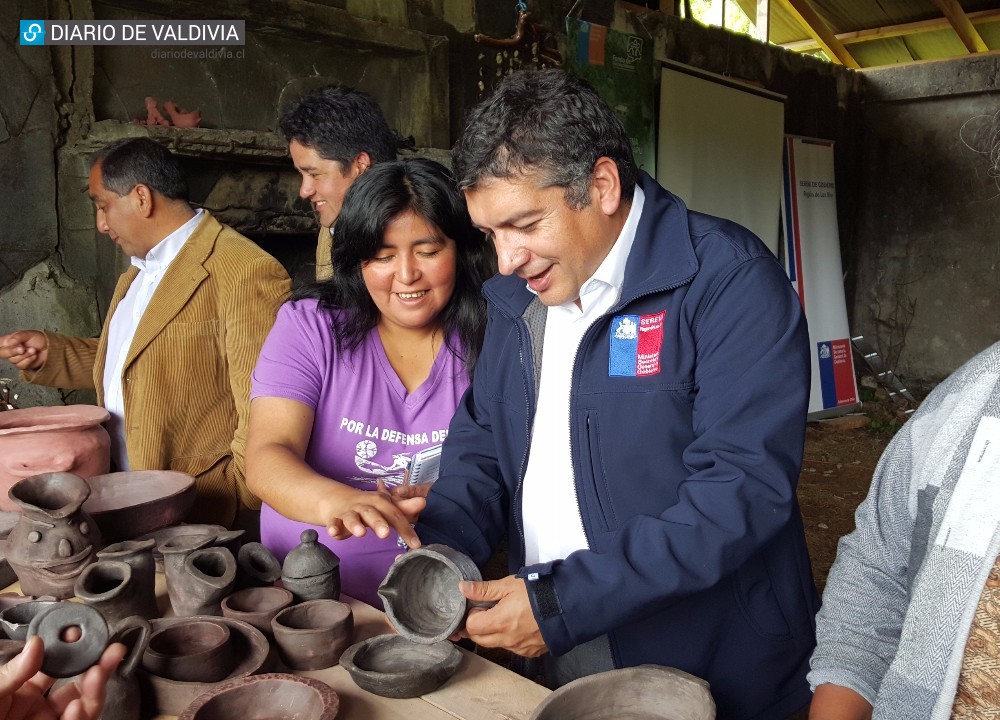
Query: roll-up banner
(811, 256)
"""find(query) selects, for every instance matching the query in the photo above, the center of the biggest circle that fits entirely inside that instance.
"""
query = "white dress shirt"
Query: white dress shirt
(124, 323)
(553, 527)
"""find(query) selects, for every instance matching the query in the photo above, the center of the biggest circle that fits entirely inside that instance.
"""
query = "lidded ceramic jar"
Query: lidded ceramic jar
(311, 571)
(66, 438)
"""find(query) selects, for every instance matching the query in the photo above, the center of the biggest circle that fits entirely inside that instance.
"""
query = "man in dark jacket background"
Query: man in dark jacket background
(636, 421)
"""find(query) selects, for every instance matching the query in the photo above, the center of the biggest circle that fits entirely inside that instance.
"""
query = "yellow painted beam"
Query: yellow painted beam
(804, 14)
(962, 25)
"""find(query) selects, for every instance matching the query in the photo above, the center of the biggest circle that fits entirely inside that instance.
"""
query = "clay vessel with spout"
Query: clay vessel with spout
(138, 555)
(208, 576)
(54, 539)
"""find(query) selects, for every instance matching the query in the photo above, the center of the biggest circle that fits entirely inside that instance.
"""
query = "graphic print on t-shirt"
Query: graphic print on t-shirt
(390, 474)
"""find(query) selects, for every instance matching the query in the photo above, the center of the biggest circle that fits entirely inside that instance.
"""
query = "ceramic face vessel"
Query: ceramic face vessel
(421, 596)
(313, 635)
(54, 541)
(51, 439)
(311, 570)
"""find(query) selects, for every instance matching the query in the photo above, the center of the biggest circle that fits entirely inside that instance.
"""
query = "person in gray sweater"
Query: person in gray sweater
(908, 625)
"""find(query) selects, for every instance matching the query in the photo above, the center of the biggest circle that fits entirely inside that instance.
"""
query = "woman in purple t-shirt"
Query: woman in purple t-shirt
(365, 369)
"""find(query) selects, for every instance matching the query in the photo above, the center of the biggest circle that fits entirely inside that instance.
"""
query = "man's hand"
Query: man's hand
(25, 349)
(509, 624)
(23, 687)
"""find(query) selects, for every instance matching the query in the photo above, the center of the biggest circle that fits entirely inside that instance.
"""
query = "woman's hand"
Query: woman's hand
(350, 512)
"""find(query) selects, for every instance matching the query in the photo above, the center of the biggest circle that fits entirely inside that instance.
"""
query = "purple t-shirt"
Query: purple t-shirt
(366, 426)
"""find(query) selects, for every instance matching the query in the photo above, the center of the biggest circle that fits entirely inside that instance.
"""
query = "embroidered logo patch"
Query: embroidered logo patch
(636, 341)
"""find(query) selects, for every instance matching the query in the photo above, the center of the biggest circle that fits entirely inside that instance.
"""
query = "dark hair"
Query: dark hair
(140, 161)
(547, 121)
(377, 198)
(339, 123)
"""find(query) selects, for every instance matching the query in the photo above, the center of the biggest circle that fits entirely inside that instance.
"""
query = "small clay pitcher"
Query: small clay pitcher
(313, 635)
(54, 540)
(311, 570)
(257, 566)
(138, 555)
(197, 651)
(209, 575)
(110, 587)
(174, 551)
(257, 606)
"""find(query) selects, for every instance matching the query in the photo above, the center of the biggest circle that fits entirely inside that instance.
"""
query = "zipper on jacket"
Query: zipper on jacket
(529, 385)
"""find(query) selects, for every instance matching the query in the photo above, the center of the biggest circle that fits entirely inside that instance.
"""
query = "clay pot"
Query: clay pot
(311, 570)
(111, 588)
(66, 438)
(645, 691)
(138, 555)
(257, 606)
(257, 566)
(171, 536)
(162, 696)
(64, 658)
(54, 540)
(313, 635)
(15, 619)
(195, 651)
(174, 552)
(129, 504)
(208, 575)
(276, 695)
(394, 667)
(421, 596)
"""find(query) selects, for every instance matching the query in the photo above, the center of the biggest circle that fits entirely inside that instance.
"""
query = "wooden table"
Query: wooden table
(479, 690)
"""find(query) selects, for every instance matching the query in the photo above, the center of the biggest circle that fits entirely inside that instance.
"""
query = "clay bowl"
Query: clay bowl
(314, 634)
(177, 531)
(171, 697)
(200, 651)
(394, 667)
(126, 505)
(421, 596)
(646, 692)
(275, 696)
(257, 606)
(15, 619)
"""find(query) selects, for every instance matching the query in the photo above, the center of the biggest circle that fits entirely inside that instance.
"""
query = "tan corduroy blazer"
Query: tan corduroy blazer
(186, 380)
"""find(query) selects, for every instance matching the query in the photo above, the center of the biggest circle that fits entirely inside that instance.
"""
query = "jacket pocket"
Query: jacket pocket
(593, 455)
(757, 600)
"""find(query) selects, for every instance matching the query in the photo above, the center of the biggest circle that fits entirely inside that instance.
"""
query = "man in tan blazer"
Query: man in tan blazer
(182, 334)
(334, 134)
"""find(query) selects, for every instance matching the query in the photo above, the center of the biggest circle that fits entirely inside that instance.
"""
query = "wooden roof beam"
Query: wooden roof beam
(804, 14)
(962, 25)
(890, 31)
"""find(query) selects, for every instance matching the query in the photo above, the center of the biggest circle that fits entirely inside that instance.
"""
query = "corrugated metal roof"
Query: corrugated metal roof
(883, 32)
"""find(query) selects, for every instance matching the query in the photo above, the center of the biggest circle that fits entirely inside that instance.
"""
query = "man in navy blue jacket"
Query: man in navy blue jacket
(636, 421)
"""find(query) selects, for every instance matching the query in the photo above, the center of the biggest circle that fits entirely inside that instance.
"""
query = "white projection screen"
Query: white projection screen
(719, 149)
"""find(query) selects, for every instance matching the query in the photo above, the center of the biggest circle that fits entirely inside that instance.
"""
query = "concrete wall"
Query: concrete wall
(928, 230)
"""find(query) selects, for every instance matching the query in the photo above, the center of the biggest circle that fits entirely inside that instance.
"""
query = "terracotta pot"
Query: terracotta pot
(257, 606)
(311, 570)
(66, 438)
(392, 666)
(195, 651)
(208, 575)
(275, 695)
(129, 504)
(54, 541)
(421, 596)
(313, 635)
(645, 691)
(138, 555)
(257, 566)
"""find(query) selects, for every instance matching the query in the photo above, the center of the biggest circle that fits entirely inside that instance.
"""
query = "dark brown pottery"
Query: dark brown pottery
(392, 666)
(162, 696)
(645, 692)
(138, 555)
(54, 540)
(196, 651)
(257, 566)
(257, 606)
(15, 619)
(170, 534)
(232, 540)
(208, 575)
(110, 587)
(9, 649)
(65, 658)
(276, 696)
(174, 552)
(421, 596)
(313, 635)
(67, 438)
(311, 570)
(129, 504)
